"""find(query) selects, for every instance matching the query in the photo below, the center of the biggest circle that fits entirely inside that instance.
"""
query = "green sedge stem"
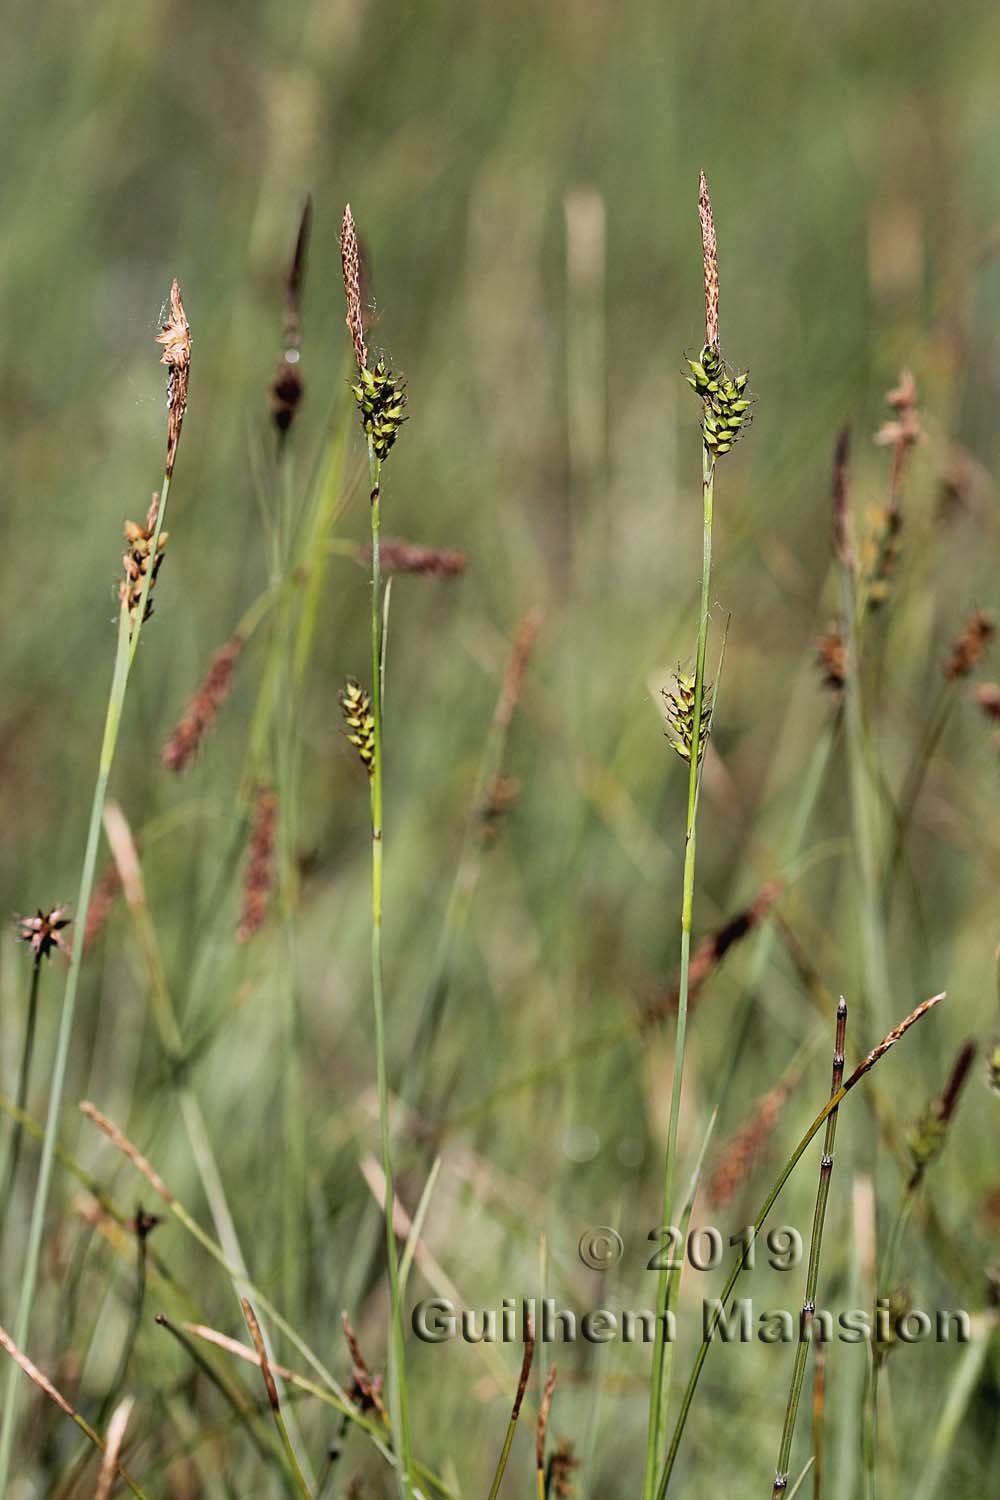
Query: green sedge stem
(659, 1393)
(397, 1389)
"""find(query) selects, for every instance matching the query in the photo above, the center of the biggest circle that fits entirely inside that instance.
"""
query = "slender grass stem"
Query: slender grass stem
(659, 1394)
(812, 1270)
(24, 1075)
(739, 1264)
(397, 1384)
(129, 633)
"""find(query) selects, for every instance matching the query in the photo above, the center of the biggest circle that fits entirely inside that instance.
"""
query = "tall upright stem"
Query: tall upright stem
(659, 1391)
(397, 1385)
(128, 643)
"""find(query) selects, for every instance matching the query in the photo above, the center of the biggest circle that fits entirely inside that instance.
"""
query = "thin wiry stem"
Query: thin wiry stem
(22, 1089)
(812, 1271)
(659, 1394)
(397, 1383)
(834, 1102)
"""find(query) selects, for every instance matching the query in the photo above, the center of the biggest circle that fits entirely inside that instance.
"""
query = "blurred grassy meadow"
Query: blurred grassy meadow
(525, 179)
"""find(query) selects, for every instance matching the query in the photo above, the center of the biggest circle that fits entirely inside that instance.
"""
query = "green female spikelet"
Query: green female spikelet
(356, 707)
(381, 398)
(679, 708)
(725, 404)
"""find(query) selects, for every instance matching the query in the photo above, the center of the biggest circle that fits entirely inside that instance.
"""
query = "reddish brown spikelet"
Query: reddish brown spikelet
(287, 390)
(366, 1389)
(970, 647)
(350, 258)
(202, 711)
(831, 654)
(988, 698)
(517, 665)
(543, 1418)
(710, 256)
(561, 1467)
(711, 951)
(105, 895)
(258, 882)
(747, 1145)
(176, 341)
(410, 557)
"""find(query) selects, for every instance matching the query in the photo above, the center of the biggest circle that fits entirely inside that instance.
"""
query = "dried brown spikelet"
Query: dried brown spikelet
(831, 654)
(988, 698)
(502, 795)
(747, 1145)
(350, 258)
(410, 557)
(366, 1388)
(517, 665)
(562, 1464)
(969, 648)
(356, 707)
(202, 711)
(103, 899)
(287, 390)
(43, 932)
(711, 951)
(903, 430)
(136, 561)
(176, 341)
(258, 881)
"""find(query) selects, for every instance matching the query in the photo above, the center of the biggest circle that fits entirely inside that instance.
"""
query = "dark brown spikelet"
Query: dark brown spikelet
(350, 259)
(287, 390)
(831, 654)
(366, 1388)
(139, 541)
(502, 795)
(711, 951)
(258, 881)
(176, 341)
(202, 711)
(44, 932)
(105, 895)
(562, 1464)
(970, 647)
(356, 707)
(925, 1140)
(748, 1144)
(411, 557)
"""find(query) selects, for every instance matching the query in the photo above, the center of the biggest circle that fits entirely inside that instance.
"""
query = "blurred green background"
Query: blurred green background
(525, 179)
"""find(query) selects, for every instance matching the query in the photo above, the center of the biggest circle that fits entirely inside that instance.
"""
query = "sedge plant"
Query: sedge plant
(381, 400)
(142, 561)
(725, 412)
